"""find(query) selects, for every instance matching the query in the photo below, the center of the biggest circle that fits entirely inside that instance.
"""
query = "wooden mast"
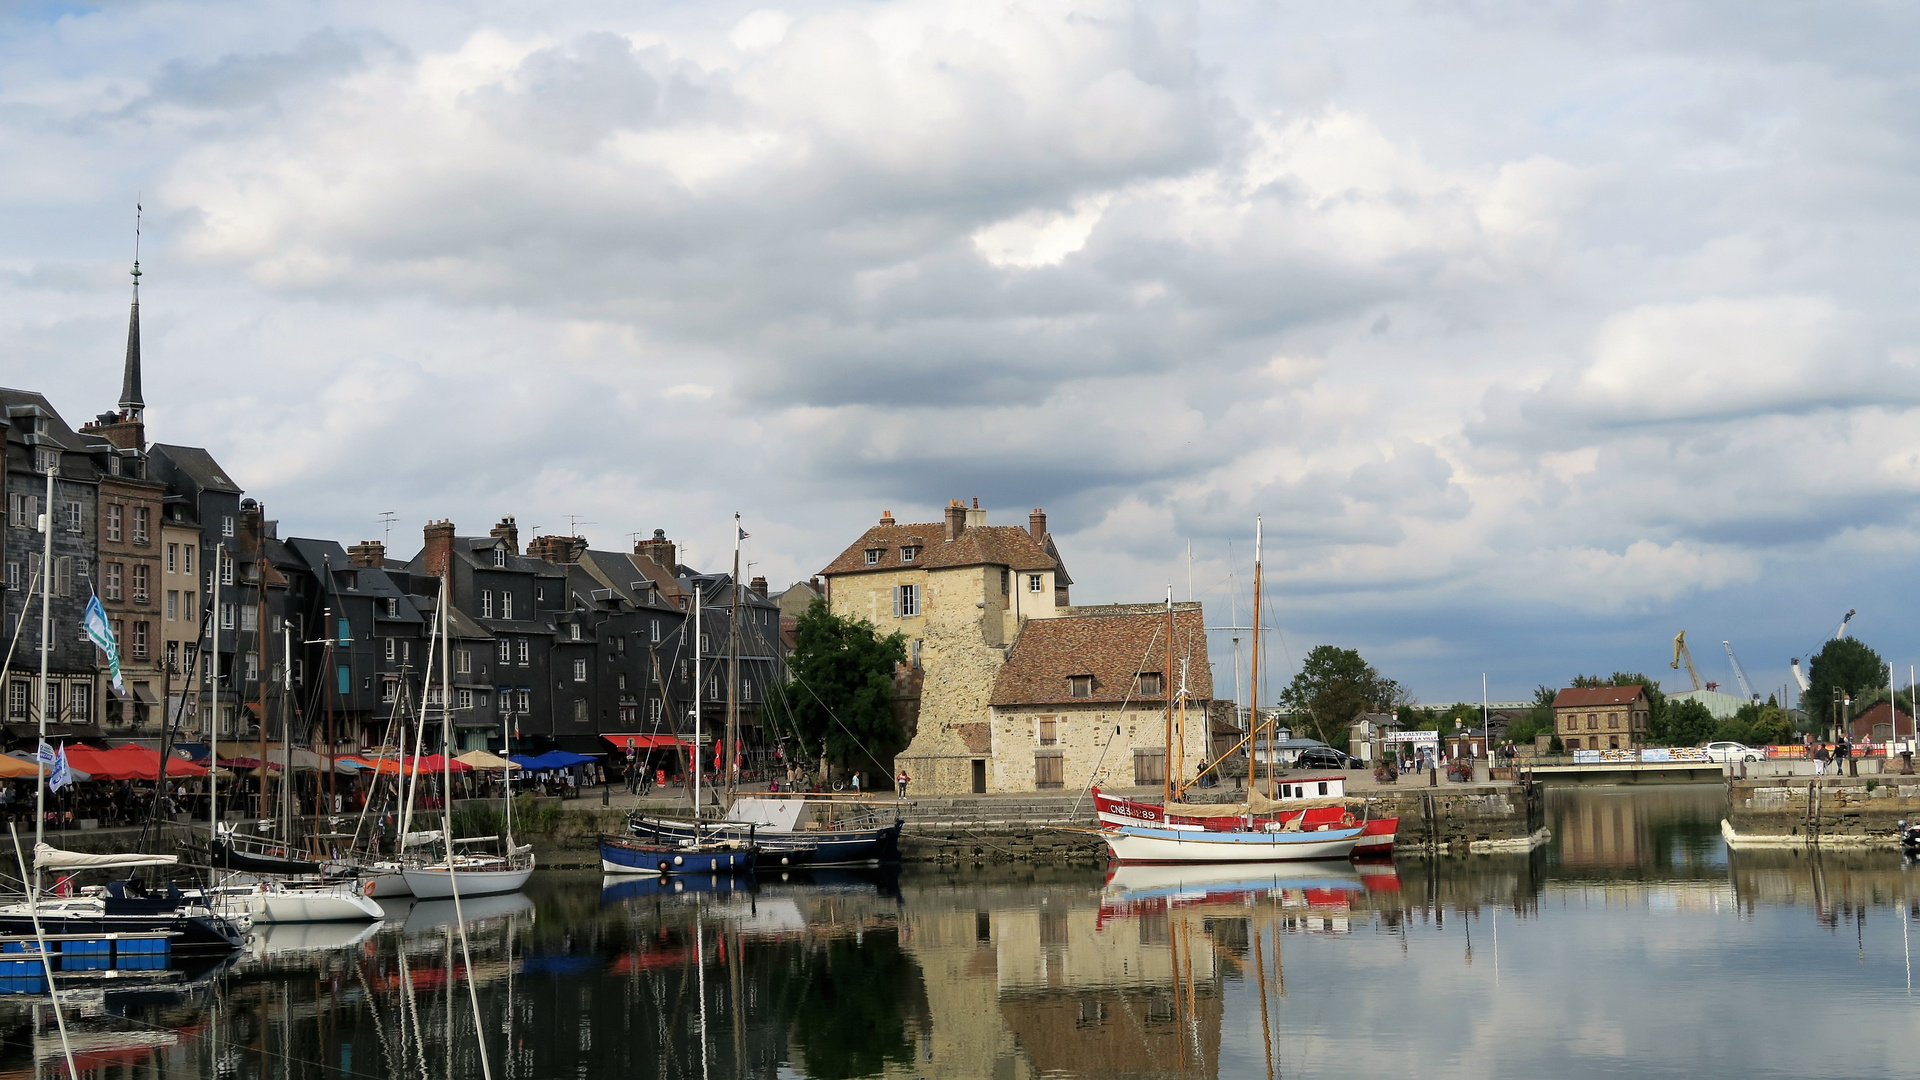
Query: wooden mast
(733, 670)
(1253, 709)
(1166, 685)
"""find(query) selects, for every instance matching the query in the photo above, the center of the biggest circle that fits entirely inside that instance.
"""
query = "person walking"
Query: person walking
(900, 783)
(1820, 760)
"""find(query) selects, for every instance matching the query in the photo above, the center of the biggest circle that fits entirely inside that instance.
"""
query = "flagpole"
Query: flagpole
(46, 643)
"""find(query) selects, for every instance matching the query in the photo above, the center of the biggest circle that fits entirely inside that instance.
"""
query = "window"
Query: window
(906, 553)
(81, 708)
(113, 523)
(1035, 583)
(579, 671)
(21, 511)
(466, 699)
(406, 653)
(173, 558)
(63, 576)
(140, 583)
(19, 696)
(1613, 720)
(392, 649)
(73, 516)
(393, 607)
(46, 461)
(579, 710)
(704, 649)
(1148, 684)
(906, 601)
(526, 701)
(653, 632)
(226, 616)
(573, 631)
(13, 575)
(226, 565)
(186, 558)
(1049, 771)
(746, 689)
(190, 607)
(389, 691)
(119, 630)
(173, 604)
(539, 592)
(506, 604)
(226, 525)
(433, 694)
(623, 681)
(140, 522)
(486, 603)
(506, 651)
(110, 581)
(713, 688)
(463, 661)
(620, 644)
(1593, 721)
(873, 556)
(249, 618)
(523, 652)
(1049, 731)
(140, 640)
(1079, 686)
(1005, 575)
(499, 556)
(173, 656)
(1149, 767)
(653, 706)
(52, 704)
(253, 669)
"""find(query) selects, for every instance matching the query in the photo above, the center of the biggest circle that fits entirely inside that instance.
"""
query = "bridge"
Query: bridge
(1627, 772)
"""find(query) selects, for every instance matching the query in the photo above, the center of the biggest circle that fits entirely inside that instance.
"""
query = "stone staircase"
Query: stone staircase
(997, 811)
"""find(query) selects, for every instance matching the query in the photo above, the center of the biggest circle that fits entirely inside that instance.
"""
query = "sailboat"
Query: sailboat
(458, 873)
(1171, 832)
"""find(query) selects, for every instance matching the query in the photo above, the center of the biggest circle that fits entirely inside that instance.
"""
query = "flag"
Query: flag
(743, 533)
(101, 631)
(60, 773)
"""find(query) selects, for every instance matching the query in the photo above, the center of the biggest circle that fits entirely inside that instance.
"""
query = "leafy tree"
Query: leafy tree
(1757, 725)
(1333, 688)
(840, 688)
(1846, 665)
(1687, 723)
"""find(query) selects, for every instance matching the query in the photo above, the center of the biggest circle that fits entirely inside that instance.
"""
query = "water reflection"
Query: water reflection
(1633, 942)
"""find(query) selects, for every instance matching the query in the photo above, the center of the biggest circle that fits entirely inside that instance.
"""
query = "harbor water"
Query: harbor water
(1633, 944)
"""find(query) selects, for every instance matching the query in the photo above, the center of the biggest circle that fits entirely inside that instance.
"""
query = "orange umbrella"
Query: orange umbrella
(11, 767)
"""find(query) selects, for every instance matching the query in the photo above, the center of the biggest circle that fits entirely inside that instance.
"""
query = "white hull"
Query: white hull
(436, 883)
(296, 905)
(387, 884)
(1135, 845)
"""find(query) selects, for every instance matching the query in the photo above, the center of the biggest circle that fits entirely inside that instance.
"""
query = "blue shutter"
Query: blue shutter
(346, 635)
(346, 679)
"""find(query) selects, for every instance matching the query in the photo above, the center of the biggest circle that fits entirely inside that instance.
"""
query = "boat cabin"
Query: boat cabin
(1333, 786)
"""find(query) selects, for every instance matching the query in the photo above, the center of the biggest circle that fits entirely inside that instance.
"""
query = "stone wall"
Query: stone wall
(1086, 743)
(1851, 810)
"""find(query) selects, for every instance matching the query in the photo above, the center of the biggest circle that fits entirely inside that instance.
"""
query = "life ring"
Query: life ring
(1346, 820)
(367, 889)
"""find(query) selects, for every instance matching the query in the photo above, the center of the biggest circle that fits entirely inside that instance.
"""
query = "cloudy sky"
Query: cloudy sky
(1535, 331)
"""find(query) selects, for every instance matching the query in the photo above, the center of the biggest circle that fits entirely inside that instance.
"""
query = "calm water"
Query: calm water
(1633, 946)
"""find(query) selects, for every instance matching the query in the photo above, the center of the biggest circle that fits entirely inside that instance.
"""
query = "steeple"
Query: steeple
(131, 403)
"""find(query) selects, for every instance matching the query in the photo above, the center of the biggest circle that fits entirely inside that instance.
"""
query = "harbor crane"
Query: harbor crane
(1681, 652)
(1740, 674)
(1844, 620)
(1793, 665)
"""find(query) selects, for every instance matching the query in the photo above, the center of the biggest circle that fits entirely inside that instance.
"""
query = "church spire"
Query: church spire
(131, 402)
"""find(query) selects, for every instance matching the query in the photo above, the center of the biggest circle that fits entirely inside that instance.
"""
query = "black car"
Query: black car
(1325, 757)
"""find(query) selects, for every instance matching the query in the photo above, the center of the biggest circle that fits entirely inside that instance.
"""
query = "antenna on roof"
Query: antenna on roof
(386, 519)
(574, 523)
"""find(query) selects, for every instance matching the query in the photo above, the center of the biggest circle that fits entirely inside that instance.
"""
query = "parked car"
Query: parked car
(1727, 752)
(1325, 757)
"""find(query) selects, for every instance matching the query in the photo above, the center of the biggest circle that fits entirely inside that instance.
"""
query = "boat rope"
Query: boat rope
(46, 960)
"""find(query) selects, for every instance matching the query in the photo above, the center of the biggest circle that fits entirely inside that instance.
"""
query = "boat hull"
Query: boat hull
(1376, 838)
(312, 906)
(191, 935)
(621, 856)
(832, 847)
(437, 883)
(1136, 844)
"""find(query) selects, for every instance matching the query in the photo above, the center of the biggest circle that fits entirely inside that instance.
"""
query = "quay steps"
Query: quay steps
(996, 811)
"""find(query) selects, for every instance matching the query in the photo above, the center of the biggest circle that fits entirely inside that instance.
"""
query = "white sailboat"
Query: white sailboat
(457, 873)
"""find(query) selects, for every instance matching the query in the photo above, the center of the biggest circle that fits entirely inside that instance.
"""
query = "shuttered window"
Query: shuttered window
(1049, 771)
(1149, 767)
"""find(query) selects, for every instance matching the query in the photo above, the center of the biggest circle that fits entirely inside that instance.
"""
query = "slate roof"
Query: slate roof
(1587, 697)
(1112, 644)
(979, 545)
(57, 433)
(199, 466)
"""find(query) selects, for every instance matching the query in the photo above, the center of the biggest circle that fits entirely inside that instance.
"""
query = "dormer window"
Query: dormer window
(906, 553)
(393, 607)
(499, 556)
(573, 631)
(873, 556)
(1079, 686)
(1149, 684)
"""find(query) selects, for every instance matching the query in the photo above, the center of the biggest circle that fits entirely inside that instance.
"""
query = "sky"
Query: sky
(1531, 332)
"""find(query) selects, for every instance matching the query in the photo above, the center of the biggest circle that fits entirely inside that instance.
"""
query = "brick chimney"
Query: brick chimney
(814, 583)
(758, 585)
(1037, 524)
(956, 519)
(558, 549)
(660, 549)
(439, 549)
(976, 516)
(507, 531)
(369, 553)
(120, 430)
(886, 517)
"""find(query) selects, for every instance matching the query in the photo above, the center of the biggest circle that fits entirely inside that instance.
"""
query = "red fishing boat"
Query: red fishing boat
(1308, 804)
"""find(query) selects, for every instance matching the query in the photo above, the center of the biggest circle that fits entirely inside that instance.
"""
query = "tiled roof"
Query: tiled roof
(1110, 644)
(1586, 697)
(199, 465)
(979, 545)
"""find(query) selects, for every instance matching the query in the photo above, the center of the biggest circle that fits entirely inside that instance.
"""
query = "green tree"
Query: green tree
(1333, 688)
(1687, 723)
(1842, 664)
(840, 688)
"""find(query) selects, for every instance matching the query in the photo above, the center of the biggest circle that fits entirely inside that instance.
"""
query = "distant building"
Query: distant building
(1880, 722)
(1601, 717)
(1721, 706)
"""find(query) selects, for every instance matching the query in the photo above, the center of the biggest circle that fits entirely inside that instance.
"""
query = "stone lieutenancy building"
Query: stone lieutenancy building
(1083, 696)
(1601, 717)
(960, 590)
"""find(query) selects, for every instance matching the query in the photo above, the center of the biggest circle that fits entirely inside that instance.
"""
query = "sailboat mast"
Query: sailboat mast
(733, 668)
(1253, 681)
(698, 642)
(213, 722)
(1166, 760)
(46, 650)
(260, 674)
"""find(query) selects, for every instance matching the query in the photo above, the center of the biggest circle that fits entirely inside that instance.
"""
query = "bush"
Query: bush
(1555, 747)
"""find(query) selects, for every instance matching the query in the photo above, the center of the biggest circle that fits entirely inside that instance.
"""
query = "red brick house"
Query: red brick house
(1601, 717)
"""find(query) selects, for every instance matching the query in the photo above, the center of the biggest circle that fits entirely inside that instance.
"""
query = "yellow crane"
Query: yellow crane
(1681, 652)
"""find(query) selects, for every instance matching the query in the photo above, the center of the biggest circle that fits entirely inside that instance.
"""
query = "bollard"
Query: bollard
(606, 795)
(1433, 776)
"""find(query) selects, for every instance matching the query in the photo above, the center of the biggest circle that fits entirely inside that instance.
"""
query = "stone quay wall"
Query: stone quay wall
(1862, 810)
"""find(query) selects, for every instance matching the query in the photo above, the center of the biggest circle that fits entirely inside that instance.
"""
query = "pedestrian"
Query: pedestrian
(1846, 756)
(856, 783)
(1820, 760)
(900, 783)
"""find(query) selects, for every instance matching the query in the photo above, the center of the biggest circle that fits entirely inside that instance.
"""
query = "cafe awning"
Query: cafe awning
(644, 742)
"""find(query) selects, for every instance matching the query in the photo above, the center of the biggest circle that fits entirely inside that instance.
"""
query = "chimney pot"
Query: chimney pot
(758, 585)
(886, 517)
(1037, 524)
(509, 531)
(368, 553)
